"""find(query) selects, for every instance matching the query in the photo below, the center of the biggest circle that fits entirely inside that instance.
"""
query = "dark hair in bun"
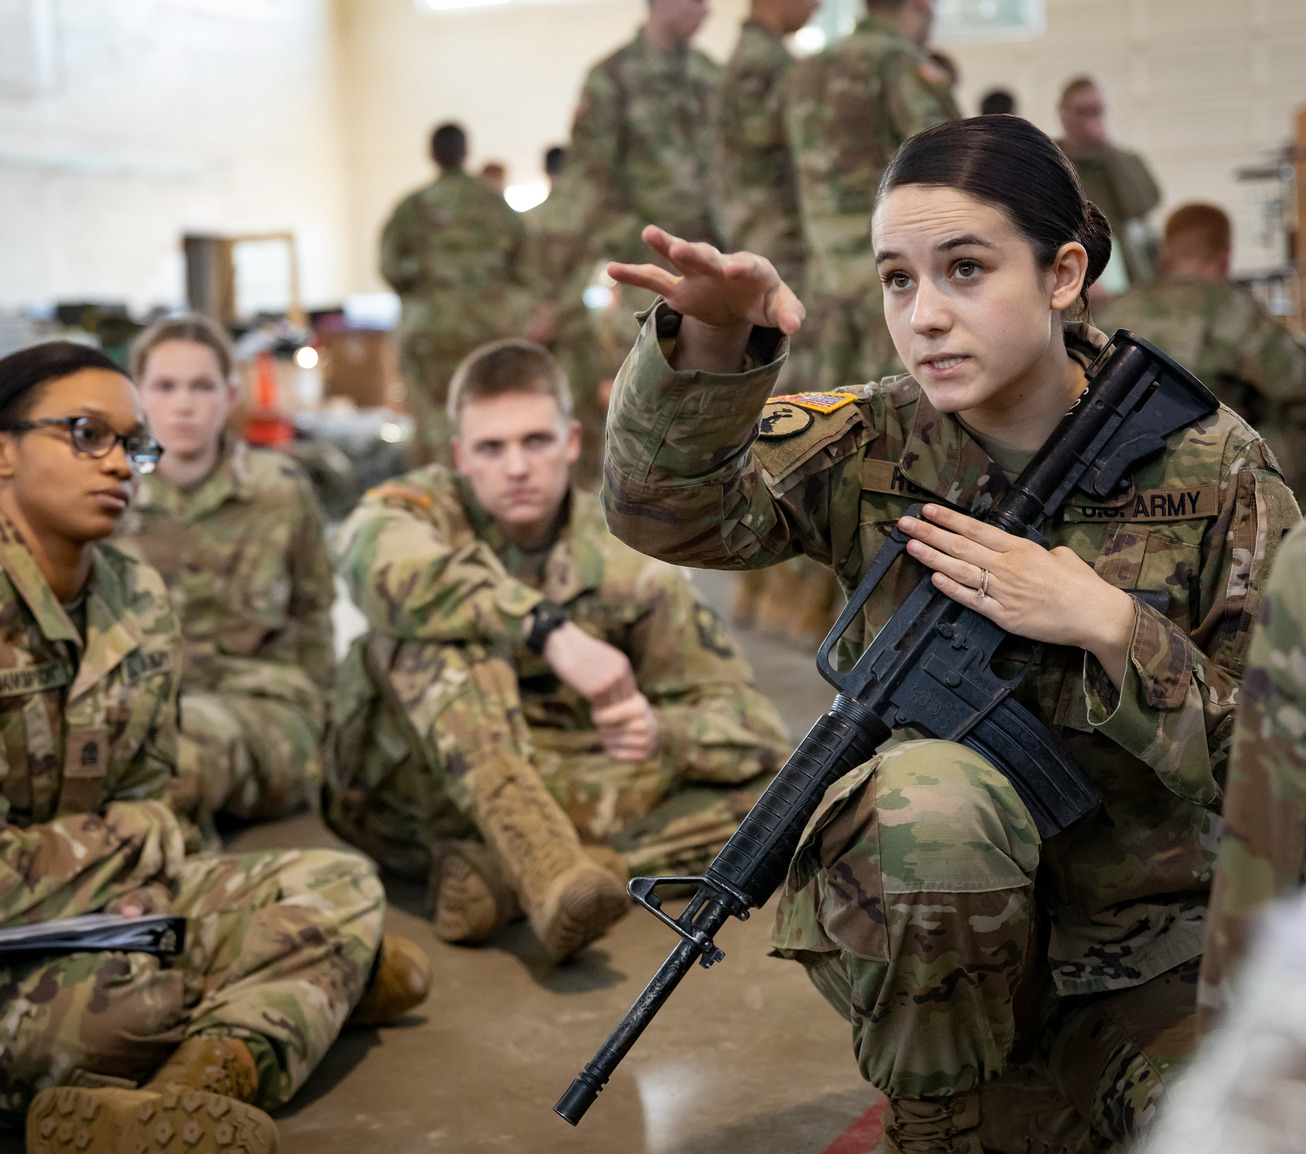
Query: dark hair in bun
(1007, 162)
(22, 373)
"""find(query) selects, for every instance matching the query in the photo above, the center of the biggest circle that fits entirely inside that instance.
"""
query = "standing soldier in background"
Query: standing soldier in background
(850, 107)
(1117, 181)
(760, 213)
(641, 141)
(236, 534)
(1221, 333)
(561, 320)
(457, 256)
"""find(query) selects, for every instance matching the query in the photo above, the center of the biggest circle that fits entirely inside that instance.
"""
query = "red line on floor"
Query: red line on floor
(863, 1136)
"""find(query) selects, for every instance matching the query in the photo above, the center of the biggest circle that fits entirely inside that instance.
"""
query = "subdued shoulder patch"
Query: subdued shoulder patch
(780, 421)
(824, 403)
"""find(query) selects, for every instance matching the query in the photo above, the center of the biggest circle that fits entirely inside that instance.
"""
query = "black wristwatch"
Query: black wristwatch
(548, 615)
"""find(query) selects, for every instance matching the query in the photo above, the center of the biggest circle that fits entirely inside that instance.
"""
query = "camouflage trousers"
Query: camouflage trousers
(255, 758)
(279, 949)
(403, 755)
(911, 903)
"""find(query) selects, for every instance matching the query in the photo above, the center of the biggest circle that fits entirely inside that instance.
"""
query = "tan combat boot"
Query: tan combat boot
(569, 899)
(200, 1097)
(401, 979)
(470, 898)
(933, 1125)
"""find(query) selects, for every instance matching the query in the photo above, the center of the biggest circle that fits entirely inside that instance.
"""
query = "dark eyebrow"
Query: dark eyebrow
(966, 241)
(100, 414)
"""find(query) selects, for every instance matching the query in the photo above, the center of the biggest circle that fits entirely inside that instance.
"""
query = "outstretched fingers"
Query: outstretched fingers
(646, 276)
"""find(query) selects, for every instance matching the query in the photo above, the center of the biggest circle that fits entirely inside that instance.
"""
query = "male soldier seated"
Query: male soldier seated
(1221, 333)
(536, 709)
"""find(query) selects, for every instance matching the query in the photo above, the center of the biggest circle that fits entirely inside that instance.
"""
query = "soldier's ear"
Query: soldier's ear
(8, 453)
(573, 442)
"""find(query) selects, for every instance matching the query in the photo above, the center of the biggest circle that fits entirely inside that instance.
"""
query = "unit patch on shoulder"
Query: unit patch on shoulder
(823, 403)
(780, 421)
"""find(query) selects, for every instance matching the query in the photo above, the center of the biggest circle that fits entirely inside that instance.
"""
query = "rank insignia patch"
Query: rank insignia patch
(823, 403)
(780, 421)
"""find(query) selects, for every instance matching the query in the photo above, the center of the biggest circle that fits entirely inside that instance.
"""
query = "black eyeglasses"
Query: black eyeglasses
(92, 437)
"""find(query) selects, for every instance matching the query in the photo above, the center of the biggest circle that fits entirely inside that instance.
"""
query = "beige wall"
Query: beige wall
(161, 116)
(157, 117)
(510, 75)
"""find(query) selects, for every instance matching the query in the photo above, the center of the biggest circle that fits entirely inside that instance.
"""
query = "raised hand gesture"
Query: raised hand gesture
(724, 291)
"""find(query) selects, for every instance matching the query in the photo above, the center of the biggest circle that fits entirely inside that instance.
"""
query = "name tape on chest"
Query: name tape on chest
(138, 664)
(888, 477)
(34, 679)
(1180, 503)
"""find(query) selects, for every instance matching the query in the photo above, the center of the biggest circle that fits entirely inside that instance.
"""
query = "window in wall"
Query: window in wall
(954, 20)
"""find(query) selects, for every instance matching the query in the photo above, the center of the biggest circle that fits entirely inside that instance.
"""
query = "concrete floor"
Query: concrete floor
(746, 1057)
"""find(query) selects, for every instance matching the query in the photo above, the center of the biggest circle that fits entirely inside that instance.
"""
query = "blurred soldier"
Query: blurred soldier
(236, 534)
(641, 141)
(532, 695)
(850, 107)
(1117, 181)
(561, 321)
(118, 1051)
(997, 102)
(456, 254)
(1263, 855)
(1222, 333)
(494, 175)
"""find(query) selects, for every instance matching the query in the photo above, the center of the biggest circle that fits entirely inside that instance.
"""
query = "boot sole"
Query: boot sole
(587, 909)
(71, 1120)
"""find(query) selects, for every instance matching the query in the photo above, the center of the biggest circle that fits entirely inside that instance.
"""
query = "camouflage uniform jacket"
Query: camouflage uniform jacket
(641, 149)
(849, 108)
(690, 480)
(457, 255)
(424, 562)
(1223, 334)
(86, 724)
(245, 561)
(1263, 854)
(759, 187)
(1121, 185)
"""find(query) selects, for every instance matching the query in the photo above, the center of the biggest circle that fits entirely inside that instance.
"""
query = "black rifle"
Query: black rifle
(929, 667)
(160, 934)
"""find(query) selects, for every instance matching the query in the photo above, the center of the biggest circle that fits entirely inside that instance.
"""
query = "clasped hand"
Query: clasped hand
(602, 675)
(1046, 595)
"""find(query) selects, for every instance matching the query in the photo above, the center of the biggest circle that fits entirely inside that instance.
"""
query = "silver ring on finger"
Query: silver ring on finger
(984, 584)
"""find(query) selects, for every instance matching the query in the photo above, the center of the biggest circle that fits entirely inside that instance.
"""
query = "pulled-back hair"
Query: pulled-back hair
(1006, 162)
(504, 367)
(191, 327)
(24, 372)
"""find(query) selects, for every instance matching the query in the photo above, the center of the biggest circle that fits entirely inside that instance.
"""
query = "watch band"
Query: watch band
(548, 615)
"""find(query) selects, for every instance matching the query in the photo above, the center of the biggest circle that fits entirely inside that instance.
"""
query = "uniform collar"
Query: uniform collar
(574, 563)
(228, 481)
(762, 30)
(112, 628)
(943, 459)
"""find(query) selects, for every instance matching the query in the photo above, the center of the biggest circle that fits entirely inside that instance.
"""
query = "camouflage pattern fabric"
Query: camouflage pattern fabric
(641, 149)
(444, 673)
(849, 107)
(246, 565)
(458, 258)
(561, 276)
(279, 944)
(1124, 889)
(1263, 854)
(758, 184)
(1224, 336)
(1122, 186)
